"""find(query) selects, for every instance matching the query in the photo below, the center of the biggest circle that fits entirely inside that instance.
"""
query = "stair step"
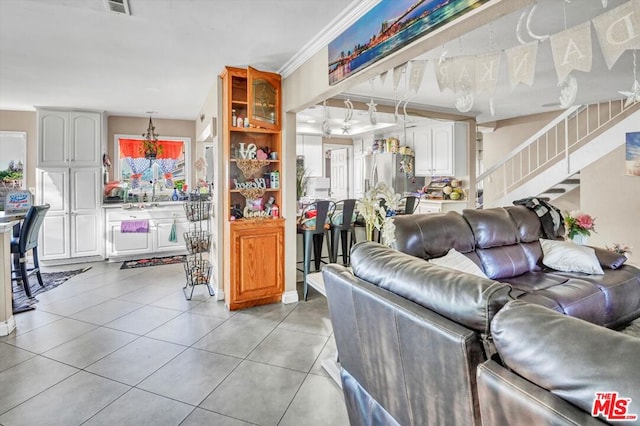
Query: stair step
(555, 191)
(571, 182)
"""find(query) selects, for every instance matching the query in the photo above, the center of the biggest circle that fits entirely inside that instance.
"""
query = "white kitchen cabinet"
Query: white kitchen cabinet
(154, 242)
(440, 206)
(441, 150)
(72, 227)
(69, 138)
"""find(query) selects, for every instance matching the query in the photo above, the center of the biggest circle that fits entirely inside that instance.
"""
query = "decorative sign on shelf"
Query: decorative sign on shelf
(248, 152)
(17, 202)
(250, 167)
(248, 213)
(259, 183)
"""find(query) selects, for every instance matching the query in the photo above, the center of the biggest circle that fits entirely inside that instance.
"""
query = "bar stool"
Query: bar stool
(313, 230)
(410, 204)
(343, 227)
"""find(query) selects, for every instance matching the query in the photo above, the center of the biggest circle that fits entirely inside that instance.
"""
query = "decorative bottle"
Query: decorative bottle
(174, 197)
(234, 119)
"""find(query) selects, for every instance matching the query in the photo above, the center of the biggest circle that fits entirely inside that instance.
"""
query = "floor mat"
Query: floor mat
(153, 261)
(22, 303)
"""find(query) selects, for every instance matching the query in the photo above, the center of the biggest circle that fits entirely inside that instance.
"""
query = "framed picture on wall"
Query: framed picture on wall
(633, 154)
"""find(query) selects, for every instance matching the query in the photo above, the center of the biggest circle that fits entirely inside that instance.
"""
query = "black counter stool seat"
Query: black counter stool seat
(313, 230)
(343, 228)
(28, 240)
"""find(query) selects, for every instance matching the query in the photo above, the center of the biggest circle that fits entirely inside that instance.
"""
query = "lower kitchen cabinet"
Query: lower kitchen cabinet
(441, 206)
(156, 240)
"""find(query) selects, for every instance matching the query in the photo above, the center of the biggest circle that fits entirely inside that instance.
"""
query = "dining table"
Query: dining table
(9, 226)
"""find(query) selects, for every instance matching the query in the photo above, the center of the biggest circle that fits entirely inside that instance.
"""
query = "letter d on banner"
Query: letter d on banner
(618, 30)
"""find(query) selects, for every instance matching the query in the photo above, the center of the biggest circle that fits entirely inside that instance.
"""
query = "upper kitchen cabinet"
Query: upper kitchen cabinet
(69, 138)
(263, 96)
(441, 149)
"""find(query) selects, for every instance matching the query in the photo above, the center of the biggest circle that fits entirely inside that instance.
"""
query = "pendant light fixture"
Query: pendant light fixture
(150, 145)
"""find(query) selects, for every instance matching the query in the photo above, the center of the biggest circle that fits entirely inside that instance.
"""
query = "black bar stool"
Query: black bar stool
(313, 230)
(343, 227)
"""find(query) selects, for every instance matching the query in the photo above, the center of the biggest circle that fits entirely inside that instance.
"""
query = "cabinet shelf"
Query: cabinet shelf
(254, 130)
(236, 102)
(233, 160)
(266, 190)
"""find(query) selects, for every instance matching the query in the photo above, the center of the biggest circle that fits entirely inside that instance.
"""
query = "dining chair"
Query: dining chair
(410, 204)
(28, 240)
(314, 226)
(343, 227)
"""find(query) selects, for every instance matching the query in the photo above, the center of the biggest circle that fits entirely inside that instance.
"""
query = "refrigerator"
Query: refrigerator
(396, 170)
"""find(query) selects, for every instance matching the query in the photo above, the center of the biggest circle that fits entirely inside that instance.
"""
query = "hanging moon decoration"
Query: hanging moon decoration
(568, 91)
(521, 20)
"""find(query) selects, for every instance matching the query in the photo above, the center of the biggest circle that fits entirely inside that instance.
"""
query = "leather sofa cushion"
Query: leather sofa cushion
(527, 223)
(491, 227)
(572, 358)
(463, 298)
(432, 235)
(503, 262)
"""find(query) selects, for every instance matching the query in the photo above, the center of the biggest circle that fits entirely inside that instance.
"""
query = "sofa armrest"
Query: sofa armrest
(508, 399)
(609, 259)
(571, 358)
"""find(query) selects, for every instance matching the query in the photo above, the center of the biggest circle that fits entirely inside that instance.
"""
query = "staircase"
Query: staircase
(548, 164)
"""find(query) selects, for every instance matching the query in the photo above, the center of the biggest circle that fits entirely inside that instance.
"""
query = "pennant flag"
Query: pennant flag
(522, 63)
(443, 76)
(463, 73)
(572, 50)
(487, 67)
(618, 30)
(417, 72)
(397, 73)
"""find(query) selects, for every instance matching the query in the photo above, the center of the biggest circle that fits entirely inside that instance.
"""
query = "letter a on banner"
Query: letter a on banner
(522, 63)
(618, 30)
(572, 50)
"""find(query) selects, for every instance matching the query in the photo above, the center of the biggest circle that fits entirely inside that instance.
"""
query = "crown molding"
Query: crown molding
(348, 16)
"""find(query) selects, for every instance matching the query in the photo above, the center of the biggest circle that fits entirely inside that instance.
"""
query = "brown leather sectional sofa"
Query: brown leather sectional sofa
(411, 335)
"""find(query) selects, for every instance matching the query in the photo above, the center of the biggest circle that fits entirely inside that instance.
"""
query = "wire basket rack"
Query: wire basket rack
(197, 210)
(197, 241)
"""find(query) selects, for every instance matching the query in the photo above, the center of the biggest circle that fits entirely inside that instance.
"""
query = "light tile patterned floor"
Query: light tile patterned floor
(123, 347)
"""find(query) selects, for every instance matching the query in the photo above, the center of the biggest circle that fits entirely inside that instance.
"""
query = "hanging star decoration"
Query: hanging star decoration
(634, 95)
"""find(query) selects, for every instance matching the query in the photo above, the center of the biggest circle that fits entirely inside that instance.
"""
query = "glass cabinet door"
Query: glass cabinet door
(264, 99)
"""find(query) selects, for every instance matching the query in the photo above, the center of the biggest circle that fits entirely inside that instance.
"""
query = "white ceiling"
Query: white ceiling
(165, 57)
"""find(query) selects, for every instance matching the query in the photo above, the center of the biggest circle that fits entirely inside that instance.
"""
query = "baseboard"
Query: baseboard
(6, 327)
(220, 294)
(290, 297)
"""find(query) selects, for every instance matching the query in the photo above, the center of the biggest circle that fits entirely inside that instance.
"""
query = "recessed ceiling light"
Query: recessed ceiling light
(311, 121)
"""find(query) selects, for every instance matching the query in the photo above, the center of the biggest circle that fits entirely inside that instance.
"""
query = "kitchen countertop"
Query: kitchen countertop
(142, 206)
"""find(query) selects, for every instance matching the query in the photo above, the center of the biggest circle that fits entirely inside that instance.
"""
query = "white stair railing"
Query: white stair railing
(553, 143)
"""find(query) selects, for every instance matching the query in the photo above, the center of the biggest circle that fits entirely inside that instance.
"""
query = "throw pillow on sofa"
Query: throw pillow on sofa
(458, 261)
(566, 256)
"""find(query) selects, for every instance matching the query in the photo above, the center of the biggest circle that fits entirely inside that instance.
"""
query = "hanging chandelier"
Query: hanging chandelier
(150, 145)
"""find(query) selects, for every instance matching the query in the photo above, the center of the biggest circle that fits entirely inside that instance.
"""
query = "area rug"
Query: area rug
(22, 303)
(153, 261)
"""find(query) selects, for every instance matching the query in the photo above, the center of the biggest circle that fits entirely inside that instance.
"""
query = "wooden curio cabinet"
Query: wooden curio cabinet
(254, 227)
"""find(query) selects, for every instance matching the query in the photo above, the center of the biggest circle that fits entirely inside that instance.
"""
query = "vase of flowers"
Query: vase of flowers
(579, 226)
(620, 249)
(377, 207)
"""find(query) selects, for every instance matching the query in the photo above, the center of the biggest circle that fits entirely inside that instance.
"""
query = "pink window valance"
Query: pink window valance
(133, 148)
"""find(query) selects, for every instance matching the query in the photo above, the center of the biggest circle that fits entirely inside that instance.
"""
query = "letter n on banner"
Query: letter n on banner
(572, 50)
(522, 63)
(618, 30)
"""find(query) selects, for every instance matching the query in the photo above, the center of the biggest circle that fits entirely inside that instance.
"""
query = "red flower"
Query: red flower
(585, 221)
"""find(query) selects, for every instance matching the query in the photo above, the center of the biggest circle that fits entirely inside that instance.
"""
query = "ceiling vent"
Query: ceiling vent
(118, 6)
